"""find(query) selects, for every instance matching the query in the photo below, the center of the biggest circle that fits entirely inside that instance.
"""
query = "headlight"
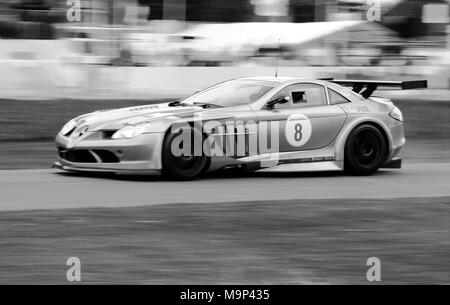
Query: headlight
(68, 127)
(396, 114)
(130, 132)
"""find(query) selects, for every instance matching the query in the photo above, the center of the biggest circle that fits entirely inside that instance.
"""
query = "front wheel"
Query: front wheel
(184, 167)
(365, 150)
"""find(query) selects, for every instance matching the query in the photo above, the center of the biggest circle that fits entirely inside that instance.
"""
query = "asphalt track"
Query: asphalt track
(50, 189)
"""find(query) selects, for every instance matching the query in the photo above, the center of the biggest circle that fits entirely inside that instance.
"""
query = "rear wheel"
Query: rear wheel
(365, 150)
(184, 167)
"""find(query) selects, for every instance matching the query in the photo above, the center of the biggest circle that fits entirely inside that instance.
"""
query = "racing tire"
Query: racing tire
(365, 151)
(182, 167)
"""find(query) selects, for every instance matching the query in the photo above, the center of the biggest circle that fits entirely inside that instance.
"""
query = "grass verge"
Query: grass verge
(286, 242)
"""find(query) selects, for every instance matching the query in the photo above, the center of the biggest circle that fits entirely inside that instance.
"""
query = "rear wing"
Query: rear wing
(367, 87)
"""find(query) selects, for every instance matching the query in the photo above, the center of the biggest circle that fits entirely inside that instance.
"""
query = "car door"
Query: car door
(307, 122)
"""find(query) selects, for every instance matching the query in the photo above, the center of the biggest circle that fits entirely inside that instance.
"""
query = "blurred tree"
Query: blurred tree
(155, 8)
(406, 18)
(310, 10)
(245, 10)
(219, 10)
(31, 5)
(45, 11)
(205, 10)
(39, 16)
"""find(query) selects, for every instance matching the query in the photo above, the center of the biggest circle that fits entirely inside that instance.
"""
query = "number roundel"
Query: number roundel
(298, 130)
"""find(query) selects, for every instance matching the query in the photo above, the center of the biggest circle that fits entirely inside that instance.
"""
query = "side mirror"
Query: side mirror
(281, 99)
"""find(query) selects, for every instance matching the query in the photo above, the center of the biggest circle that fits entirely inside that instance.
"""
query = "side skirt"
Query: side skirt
(304, 167)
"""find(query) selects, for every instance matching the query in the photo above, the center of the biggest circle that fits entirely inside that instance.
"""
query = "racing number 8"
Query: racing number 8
(298, 132)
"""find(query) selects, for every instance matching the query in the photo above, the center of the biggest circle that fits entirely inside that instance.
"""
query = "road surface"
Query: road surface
(51, 189)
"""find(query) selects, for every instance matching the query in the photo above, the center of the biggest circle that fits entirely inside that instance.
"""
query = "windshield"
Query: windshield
(232, 93)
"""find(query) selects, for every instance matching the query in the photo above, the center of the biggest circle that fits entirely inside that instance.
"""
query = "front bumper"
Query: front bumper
(126, 171)
(140, 155)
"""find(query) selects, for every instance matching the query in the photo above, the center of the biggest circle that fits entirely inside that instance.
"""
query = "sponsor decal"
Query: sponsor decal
(144, 108)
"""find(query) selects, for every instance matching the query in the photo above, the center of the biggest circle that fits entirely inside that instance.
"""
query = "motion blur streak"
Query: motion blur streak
(130, 47)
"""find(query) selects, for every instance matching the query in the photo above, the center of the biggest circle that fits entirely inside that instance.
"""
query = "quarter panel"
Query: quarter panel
(393, 130)
(326, 122)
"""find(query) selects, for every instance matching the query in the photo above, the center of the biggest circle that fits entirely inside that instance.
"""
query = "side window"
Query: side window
(336, 98)
(303, 95)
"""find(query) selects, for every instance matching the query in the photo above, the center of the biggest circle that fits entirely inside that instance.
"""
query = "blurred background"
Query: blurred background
(170, 48)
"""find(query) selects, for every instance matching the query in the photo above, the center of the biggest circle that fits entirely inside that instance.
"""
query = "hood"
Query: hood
(118, 118)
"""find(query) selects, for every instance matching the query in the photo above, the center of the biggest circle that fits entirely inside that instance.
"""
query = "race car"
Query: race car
(263, 124)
